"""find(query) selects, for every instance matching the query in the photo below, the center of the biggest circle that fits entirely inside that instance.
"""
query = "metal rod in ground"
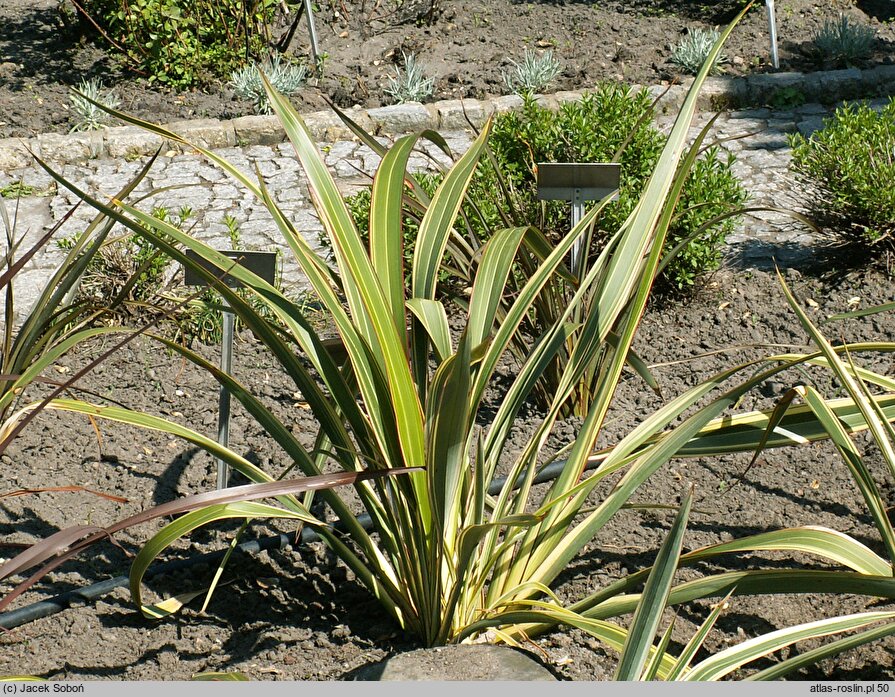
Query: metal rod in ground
(312, 33)
(224, 401)
(772, 26)
(577, 215)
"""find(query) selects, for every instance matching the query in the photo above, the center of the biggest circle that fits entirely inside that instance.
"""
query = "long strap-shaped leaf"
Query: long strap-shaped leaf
(863, 478)
(191, 521)
(490, 282)
(725, 662)
(595, 332)
(437, 223)
(871, 416)
(824, 543)
(812, 657)
(810, 539)
(282, 490)
(626, 285)
(759, 582)
(284, 310)
(653, 457)
(284, 438)
(369, 304)
(386, 223)
(682, 663)
(655, 596)
(40, 363)
(409, 418)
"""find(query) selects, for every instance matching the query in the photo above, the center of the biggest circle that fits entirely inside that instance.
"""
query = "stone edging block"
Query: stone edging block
(14, 152)
(719, 93)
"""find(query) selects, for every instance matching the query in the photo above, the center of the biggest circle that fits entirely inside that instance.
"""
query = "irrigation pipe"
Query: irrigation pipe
(73, 598)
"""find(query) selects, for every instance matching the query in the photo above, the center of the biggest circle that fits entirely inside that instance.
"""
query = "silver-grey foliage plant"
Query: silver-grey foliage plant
(691, 51)
(533, 74)
(89, 116)
(843, 40)
(287, 77)
(411, 83)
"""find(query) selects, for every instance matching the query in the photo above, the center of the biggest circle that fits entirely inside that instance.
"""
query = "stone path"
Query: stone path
(758, 138)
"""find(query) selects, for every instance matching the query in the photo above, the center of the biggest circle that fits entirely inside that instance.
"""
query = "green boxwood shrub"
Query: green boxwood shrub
(847, 169)
(184, 42)
(611, 124)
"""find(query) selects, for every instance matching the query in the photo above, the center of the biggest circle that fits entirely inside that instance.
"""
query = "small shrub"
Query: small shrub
(609, 124)
(89, 116)
(848, 168)
(843, 41)
(409, 84)
(286, 77)
(534, 74)
(184, 42)
(691, 51)
(612, 125)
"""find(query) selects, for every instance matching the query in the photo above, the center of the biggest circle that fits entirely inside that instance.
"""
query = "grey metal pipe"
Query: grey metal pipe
(772, 26)
(224, 400)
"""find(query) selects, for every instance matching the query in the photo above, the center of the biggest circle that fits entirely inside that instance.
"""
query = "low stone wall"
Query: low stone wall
(719, 93)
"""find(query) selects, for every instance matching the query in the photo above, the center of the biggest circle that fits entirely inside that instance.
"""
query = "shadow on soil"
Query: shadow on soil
(45, 48)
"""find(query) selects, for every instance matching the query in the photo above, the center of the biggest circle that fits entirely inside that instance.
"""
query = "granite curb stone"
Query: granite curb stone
(457, 662)
(325, 126)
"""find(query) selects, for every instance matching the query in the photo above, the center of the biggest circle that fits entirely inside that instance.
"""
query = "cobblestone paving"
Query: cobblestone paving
(758, 138)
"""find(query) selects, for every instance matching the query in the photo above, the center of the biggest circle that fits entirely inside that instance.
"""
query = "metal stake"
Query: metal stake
(312, 31)
(263, 265)
(224, 399)
(577, 215)
(772, 24)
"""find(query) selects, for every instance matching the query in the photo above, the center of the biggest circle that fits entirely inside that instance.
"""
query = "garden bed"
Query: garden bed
(466, 49)
(297, 614)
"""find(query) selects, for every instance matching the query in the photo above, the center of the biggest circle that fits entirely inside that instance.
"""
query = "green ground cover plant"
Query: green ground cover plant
(847, 169)
(533, 74)
(690, 52)
(17, 189)
(87, 116)
(409, 83)
(286, 77)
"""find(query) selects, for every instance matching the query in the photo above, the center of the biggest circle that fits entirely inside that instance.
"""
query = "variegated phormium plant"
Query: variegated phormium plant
(456, 549)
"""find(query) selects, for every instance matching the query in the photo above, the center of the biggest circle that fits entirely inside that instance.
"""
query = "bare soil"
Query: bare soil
(297, 614)
(466, 48)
